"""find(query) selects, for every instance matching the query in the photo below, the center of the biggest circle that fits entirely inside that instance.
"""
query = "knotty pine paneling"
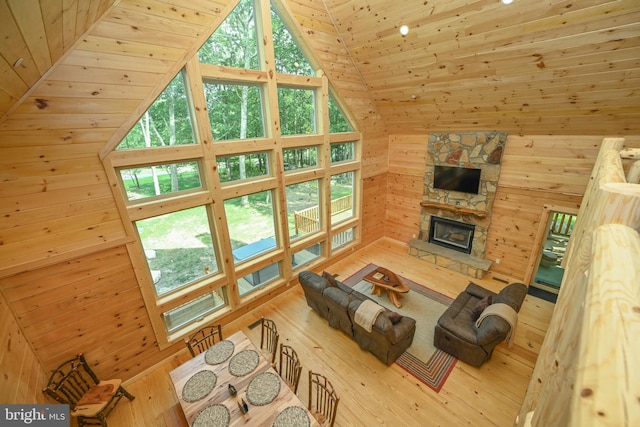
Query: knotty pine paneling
(21, 374)
(568, 68)
(91, 305)
(537, 171)
(407, 163)
(373, 206)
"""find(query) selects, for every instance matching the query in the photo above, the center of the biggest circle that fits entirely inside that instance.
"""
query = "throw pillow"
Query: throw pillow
(480, 306)
(329, 278)
(394, 317)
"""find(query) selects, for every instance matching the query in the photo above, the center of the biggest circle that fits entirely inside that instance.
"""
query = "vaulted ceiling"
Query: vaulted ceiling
(531, 67)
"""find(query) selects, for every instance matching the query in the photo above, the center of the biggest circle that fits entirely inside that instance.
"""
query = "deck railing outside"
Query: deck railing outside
(308, 220)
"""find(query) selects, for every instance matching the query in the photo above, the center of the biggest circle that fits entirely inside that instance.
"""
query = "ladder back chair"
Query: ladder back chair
(90, 400)
(323, 399)
(269, 339)
(290, 367)
(203, 339)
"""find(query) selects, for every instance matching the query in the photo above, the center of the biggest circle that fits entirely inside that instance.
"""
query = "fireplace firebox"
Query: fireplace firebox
(451, 234)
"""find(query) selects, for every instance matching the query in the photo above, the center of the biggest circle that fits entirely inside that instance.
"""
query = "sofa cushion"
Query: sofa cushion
(337, 296)
(330, 279)
(477, 309)
(394, 317)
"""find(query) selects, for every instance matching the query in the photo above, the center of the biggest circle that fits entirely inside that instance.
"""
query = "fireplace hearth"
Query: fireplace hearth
(451, 234)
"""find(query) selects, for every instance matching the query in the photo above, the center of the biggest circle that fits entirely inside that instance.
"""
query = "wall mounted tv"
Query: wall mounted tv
(465, 180)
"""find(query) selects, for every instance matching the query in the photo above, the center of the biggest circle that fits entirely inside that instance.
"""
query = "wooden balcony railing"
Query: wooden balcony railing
(308, 220)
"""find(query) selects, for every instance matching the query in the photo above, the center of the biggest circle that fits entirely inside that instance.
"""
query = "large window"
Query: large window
(342, 197)
(178, 247)
(297, 111)
(234, 183)
(303, 208)
(155, 180)
(237, 167)
(251, 225)
(235, 111)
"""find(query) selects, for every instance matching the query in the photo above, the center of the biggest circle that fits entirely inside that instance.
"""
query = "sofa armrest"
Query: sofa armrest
(313, 281)
(393, 333)
(400, 330)
(513, 295)
(478, 291)
(492, 328)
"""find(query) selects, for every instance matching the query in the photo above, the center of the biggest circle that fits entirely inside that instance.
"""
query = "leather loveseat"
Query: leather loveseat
(457, 334)
(391, 333)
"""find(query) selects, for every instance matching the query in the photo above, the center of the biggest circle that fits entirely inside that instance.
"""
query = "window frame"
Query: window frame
(213, 192)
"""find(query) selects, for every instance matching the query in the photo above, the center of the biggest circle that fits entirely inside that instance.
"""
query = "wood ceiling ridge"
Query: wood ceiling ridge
(346, 46)
(54, 61)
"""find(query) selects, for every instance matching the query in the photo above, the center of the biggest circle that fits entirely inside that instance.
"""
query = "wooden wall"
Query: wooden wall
(537, 172)
(64, 269)
(21, 373)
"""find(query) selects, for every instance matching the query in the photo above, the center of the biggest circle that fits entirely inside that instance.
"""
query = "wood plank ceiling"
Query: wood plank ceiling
(531, 67)
(34, 36)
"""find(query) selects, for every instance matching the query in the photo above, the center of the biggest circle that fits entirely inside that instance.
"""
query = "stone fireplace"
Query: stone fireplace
(454, 225)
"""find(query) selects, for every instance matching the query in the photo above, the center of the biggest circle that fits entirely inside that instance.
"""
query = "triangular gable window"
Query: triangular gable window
(167, 122)
(234, 43)
(289, 57)
(337, 121)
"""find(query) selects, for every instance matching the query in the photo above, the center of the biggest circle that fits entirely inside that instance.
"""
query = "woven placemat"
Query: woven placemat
(219, 353)
(215, 415)
(199, 385)
(293, 416)
(263, 388)
(243, 363)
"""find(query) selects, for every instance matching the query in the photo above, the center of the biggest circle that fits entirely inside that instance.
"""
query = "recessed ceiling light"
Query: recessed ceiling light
(507, 1)
(18, 62)
(404, 30)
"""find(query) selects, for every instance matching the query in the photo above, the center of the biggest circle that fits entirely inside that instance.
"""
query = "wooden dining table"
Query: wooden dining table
(202, 387)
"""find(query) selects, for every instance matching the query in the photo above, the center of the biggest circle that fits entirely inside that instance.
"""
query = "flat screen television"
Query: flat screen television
(465, 180)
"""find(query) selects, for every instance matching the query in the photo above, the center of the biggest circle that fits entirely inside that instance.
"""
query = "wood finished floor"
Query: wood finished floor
(371, 393)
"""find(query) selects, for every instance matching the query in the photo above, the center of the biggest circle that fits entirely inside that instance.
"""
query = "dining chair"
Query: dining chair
(269, 339)
(323, 399)
(203, 339)
(290, 367)
(90, 400)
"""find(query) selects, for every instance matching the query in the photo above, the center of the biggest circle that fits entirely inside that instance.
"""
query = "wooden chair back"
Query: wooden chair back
(290, 367)
(203, 339)
(269, 339)
(75, 382)
(323, 399)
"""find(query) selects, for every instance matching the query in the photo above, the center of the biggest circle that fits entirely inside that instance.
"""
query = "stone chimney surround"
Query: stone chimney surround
(481, 150)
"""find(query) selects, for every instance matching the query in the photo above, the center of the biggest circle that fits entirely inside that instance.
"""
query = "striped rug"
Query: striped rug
(422, 360)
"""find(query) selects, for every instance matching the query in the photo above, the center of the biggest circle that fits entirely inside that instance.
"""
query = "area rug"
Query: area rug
(430, 365)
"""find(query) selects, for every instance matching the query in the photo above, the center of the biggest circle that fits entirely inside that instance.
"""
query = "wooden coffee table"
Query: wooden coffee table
(386, 280)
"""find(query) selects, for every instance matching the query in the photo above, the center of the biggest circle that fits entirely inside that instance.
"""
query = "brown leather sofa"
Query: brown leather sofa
(456, 332)
(338, 303)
